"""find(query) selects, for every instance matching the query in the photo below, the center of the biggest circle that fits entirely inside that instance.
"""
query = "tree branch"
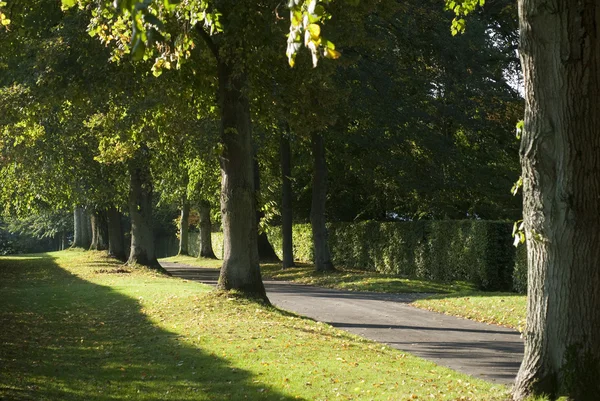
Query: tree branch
(208, 40)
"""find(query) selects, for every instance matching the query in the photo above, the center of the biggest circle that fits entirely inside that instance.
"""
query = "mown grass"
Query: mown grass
(456, 298)
(194, 261)
(505, 309)
(342, 279)
(78, 326)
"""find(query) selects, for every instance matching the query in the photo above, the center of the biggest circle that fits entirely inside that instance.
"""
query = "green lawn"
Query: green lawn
(456, 298)
(505, 309)
(78, 326)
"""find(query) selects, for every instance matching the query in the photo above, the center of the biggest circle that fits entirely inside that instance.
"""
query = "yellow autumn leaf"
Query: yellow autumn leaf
(332, 54)
(315, 31)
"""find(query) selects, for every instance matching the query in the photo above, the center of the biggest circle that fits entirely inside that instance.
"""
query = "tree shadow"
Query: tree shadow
(65, 338)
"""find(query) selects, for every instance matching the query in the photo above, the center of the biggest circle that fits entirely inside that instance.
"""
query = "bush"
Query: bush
(477, 251)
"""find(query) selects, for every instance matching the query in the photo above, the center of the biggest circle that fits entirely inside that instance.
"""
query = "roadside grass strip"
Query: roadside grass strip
(78, 326)
(501, 308)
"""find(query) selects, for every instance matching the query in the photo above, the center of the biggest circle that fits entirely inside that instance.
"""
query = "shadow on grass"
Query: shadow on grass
(360, 280)
(64, 338)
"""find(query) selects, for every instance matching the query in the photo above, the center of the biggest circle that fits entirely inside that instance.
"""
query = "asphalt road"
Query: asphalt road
(485, 351)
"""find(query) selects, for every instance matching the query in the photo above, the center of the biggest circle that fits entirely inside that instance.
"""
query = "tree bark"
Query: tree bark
(81, 237)
(184, 226)
(77, 233)
(205, 238)
(99, 230)
(87, 228)
(286, 201)
(266, 253)
(240, 269)
(560, 157)
(116, 242)
(322, 256)
(140, 209)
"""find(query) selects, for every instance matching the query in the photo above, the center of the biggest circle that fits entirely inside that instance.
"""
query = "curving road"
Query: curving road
(485, 351)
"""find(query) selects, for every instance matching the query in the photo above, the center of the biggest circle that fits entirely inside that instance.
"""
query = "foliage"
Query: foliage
(17, 243)
(520, 270)
(104, 332)
(479, 252)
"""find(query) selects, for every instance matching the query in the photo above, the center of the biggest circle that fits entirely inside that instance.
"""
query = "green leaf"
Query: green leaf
(66, 4)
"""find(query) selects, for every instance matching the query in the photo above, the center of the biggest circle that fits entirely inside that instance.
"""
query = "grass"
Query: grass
(505, 309)
(78, 326)
(342, 279)
(194, 261)
(456, 298)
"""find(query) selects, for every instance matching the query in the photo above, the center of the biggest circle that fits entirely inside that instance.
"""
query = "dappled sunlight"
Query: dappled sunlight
(93, 333)
(89, 342)
(360, 280)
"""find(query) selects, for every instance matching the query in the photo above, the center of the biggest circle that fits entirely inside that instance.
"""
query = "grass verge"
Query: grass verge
(78, 326)
(456, 298)
(505, 309)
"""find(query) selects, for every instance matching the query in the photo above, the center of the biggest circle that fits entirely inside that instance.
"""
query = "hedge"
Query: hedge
(480, 252)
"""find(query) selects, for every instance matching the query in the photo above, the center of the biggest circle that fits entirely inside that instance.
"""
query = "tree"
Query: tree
(560, 57)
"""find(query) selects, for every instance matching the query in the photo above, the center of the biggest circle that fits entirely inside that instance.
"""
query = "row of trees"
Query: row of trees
(395, 133)
(409, 123)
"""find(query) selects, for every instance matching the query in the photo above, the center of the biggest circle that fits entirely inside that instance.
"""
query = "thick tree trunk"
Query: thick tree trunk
(87, 228)
(286, 201)
(140, 210)
(77, 238)
(63, 240)
(266, 253)
(184, 226)
(322, 256)
(560, 157)
(240, 269)
(99, 230)
(205, 237)
(116, 242)
(81, 223)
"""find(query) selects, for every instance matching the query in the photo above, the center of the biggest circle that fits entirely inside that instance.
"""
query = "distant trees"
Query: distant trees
(392, 130)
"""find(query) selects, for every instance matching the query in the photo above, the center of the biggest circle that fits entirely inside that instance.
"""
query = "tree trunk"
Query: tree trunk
(94, 224)
(266, 253)
(240, 269)
(322, 256)
(286, 201)
(63, 240)
(99, 230)
(77, 228)
(184, 226)
(140, 210)
(82, 231)
(560, 157)
(205, 238)
(87, 228)
(116, 242)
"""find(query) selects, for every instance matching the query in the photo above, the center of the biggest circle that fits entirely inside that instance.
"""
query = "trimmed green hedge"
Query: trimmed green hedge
(477, 251)
(480, 252)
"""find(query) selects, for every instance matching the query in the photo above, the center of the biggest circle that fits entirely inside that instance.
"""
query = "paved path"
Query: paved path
(485, 351)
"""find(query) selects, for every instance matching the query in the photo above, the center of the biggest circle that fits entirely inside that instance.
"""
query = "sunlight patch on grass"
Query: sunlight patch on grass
(72, 330)
(505, 309)
(194, 261)
(359, 280)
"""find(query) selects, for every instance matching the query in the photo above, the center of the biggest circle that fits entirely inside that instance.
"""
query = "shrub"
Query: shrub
(477, 251)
